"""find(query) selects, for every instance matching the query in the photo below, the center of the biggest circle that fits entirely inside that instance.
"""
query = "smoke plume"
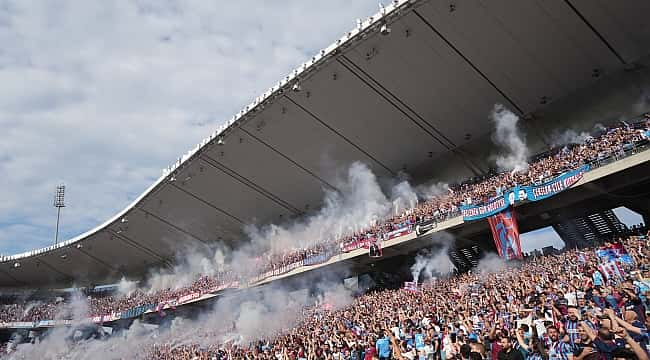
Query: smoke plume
(571, 136)
(433, 262)
(491, 263)
(358, 205)
(403, 198)
(126, 287)
(514, 151)
(432, 190)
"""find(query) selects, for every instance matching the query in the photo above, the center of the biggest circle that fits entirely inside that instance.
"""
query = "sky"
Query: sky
(102, 95)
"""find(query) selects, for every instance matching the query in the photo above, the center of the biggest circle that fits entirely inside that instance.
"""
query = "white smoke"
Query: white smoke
(263, 312)
(571, 136)
(509, 138)
(358, 205)
(56, 345)
(403, 198)
(643, 104)
(434, 262)
(275, 309)
(491, 263)
(126, 287)
(191, 264)
(431, 264)
(432, 190)
(240, 317)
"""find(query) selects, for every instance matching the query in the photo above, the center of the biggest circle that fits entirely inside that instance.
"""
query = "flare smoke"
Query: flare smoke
(508, 137)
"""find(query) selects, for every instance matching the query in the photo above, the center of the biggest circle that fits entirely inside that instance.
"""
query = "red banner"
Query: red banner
(397, 233)
(505, 233)
(358, 244)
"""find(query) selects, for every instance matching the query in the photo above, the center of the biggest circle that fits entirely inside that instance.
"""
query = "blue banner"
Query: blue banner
(137, 311)
(317, 259)
(494, 206)
(520, 193)
(555, 186)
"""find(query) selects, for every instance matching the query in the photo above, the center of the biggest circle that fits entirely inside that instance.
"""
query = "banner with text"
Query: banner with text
(494, 206)
(555, 186)
(520, 193)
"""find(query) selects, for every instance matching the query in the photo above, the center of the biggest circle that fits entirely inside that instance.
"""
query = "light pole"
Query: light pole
(59, 196)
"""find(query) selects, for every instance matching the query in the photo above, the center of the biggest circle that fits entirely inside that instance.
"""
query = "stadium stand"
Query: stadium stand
(551, 307)
(608, 145)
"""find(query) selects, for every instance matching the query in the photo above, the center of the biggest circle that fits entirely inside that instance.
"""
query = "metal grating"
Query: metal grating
(589, 230)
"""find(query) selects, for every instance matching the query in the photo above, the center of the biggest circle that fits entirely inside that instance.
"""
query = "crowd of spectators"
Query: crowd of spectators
(550, 307)
(611, 143)
(104, 304)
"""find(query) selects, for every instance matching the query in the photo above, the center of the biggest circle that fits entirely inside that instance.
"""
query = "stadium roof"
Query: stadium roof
(407, 85)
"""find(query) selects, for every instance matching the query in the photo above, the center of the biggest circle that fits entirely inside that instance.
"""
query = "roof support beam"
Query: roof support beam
(13, 277)
(66, 276)
(203, 242)
(323, 181)
(248, 183)
(596, 32)
(334, 131)
(98, 260)
(478, 71)
(233, 217)
(392, 99)
(125, 239)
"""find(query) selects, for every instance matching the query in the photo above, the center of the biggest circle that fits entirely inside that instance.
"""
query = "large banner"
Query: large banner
(555, 186)
(520, 193)
(494, 206)
(505, 233)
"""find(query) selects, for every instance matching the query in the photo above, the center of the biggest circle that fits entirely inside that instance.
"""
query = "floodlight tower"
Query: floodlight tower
(59, 196)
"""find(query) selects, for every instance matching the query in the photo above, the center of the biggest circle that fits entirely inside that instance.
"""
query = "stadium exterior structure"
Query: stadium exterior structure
(407, 89)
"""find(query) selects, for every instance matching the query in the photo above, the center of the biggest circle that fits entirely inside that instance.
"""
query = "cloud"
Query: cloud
(103, 95)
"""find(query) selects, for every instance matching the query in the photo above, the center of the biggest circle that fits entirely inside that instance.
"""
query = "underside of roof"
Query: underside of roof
(394, 101)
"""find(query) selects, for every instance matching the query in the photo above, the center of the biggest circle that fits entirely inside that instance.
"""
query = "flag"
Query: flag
(611, 270)
(505, 233)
